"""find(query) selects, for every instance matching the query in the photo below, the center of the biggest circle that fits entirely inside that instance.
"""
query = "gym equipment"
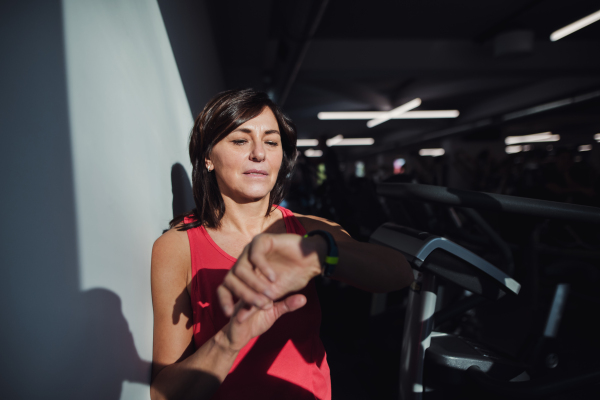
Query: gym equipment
(435, 258)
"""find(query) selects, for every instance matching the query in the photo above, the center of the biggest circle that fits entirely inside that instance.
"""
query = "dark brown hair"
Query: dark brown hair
(223, 114)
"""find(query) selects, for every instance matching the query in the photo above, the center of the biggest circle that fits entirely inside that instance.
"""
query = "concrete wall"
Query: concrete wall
(93, 149)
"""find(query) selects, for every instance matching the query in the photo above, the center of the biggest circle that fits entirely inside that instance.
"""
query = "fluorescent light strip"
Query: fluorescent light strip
(432, 152)
(313, 153)
(428, 114)
(597, 137)
(535, 138)
(575, 26)
(423, 114)
(355, 142)
(306, 142)
(338, 140)
(513, 149)
(585, 147)
(334, 140)
(395, 112)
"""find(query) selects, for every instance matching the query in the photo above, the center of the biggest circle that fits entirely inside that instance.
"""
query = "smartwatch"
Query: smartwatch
(332, 257)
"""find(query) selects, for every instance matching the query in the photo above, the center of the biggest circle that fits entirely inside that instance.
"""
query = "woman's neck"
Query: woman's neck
(248, 218)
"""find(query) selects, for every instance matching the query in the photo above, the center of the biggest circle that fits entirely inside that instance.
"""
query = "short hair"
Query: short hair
(222, 115)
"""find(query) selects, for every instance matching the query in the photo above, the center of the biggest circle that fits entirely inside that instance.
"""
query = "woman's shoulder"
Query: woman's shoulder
(312, 222)
(172, 237)
(171, 250)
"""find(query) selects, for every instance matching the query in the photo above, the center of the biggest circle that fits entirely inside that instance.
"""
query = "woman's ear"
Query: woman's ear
(208, 164)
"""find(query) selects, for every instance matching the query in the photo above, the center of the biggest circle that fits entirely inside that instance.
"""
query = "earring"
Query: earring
(208, 168)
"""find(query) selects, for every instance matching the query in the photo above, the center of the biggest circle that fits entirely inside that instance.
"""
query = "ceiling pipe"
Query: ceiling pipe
(288, 81)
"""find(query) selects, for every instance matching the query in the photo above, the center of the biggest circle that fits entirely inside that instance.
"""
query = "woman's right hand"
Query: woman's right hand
(270, 267)
(249, 321)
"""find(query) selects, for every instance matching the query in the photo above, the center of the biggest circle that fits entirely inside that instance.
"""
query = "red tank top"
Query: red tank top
(286, 362)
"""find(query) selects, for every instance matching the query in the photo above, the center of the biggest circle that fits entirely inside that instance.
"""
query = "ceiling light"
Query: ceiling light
(338, 140)
(585, 147)
(422, 114)
(536, 137)
(355, 142)
(396, 111)
(306, 142)
(513, 149)
(428, 114)
(313, 153)
(431, 152)
(597, 137)
(334, 140)
(575, 26)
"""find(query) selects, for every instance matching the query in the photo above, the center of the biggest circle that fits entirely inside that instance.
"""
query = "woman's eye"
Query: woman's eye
(239, 142)
(273, 144)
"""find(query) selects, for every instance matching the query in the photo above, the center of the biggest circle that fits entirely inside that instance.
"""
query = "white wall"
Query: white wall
(96, 116)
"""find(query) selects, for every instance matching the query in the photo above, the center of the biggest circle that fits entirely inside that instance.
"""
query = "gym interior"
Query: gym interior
(464, 134)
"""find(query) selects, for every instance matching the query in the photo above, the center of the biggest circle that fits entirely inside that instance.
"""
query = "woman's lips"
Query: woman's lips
(256, 172)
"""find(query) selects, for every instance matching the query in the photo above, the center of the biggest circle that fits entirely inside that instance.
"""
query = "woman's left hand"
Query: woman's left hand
(271, 266)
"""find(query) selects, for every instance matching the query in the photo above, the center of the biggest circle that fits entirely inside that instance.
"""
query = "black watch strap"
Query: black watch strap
(332, 257)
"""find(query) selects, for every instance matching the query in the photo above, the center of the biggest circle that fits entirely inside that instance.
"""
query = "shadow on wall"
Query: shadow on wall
(56, 341)
(183, 198)
(106, 354)
(186, 31)
(103, 350)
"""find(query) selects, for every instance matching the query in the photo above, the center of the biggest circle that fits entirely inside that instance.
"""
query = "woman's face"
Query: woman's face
(246, 162)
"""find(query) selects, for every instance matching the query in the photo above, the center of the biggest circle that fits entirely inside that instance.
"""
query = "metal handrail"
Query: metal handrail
(491, 201)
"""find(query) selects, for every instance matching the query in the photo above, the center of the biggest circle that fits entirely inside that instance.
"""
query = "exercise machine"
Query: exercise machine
(452, 359)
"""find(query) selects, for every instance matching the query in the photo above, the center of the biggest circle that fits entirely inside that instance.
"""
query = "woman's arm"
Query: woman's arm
(367, 266)
(179, 371)
(290, 261)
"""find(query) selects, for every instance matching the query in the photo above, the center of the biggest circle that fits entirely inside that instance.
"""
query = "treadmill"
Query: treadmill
(434, 258)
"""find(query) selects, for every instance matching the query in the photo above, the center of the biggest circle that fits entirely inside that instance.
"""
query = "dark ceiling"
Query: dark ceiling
(368, 55)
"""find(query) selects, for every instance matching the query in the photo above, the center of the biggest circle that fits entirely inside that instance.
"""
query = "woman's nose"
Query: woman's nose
(258, 152)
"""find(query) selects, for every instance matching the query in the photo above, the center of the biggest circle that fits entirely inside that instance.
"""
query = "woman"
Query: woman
(266, 344)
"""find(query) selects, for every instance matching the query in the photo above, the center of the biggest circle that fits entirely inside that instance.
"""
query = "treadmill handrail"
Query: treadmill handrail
(388, 235)
(471, 258)
(491, 201)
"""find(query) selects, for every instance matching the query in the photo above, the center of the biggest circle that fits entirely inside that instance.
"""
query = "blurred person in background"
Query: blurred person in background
(302, 186)
(332, 193)
(565, 181)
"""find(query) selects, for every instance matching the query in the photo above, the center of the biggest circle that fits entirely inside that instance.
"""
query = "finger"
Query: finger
(245, 312)
(295, 302)
(239, 305)
(245, 293)
(289, 304)
(261, 245)
(226, 300)
(256, 280)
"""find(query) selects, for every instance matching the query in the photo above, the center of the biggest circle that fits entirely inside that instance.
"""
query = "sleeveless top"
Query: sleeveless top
(286, 362)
